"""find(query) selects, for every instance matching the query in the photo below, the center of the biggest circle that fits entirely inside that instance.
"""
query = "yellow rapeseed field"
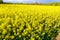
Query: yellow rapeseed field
(29, 22)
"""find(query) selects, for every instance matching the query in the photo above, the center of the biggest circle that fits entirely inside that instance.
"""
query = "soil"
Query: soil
(58, 37)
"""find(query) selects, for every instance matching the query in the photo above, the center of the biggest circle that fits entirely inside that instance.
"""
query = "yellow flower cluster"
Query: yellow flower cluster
(28, 22)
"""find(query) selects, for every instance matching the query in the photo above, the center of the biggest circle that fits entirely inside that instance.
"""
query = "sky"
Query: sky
(31, 1)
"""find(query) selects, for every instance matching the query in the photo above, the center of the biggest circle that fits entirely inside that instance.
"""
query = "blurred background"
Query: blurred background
(40, 2)
(31, 1)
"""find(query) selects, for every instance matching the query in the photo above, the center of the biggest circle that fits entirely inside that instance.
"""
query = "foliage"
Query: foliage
(22, 22)
(1, 1)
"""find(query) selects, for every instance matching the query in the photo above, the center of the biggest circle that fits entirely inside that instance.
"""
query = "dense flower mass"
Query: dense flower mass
(27, 22)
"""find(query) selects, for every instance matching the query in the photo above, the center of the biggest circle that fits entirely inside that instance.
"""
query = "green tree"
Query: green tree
(1, 1)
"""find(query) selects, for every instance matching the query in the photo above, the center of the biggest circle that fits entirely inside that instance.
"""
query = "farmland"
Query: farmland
(29, 22)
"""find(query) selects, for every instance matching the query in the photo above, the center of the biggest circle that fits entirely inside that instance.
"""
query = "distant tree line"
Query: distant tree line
(53, 3)
(1, 1)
